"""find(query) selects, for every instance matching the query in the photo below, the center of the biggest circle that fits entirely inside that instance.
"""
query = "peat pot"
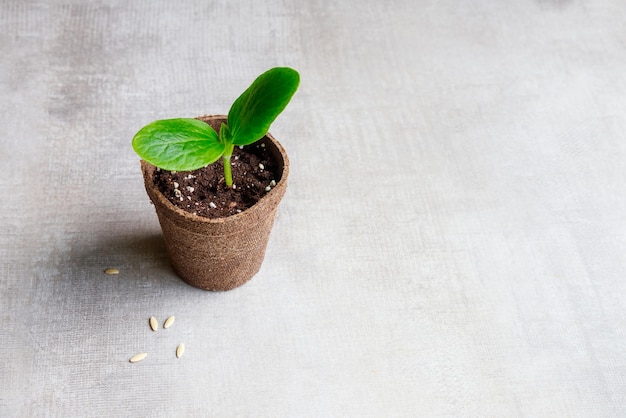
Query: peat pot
(220, 253)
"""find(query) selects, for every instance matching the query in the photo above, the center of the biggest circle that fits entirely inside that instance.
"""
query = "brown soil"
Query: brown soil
(204, 191)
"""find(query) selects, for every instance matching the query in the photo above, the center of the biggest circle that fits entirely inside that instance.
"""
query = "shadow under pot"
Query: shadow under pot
(219, 253)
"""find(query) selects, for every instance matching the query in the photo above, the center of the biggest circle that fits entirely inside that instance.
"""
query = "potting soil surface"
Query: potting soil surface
(204, 191)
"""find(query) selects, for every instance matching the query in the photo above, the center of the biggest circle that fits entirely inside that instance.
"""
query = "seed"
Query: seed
(154, 324)
(273, 183)
(138, 357)
(268, 188)
(168, 322)
(111, 271)
(177, 193)
(180, 350)
(261, 166)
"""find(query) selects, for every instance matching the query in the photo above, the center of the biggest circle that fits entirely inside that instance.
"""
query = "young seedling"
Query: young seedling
(189, 144)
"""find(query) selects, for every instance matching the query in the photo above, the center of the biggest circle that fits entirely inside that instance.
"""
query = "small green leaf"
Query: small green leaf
(253, 112)
(225, 136)
(178, 144)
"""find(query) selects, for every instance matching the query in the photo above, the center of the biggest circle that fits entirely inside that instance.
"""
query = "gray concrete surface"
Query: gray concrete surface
(453, 241)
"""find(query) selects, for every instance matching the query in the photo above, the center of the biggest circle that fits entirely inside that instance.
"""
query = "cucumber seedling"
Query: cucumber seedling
(185, 144)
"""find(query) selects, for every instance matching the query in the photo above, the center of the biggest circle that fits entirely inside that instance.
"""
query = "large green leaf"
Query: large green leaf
(178, 144)
(253, 112)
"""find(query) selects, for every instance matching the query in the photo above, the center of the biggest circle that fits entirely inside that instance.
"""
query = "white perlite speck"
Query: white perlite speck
(176, 185)
(190, 189)
(261, 166)
(212, 205)
(273, 183)
(268, 188)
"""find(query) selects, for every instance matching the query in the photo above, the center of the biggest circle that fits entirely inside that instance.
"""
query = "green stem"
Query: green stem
(228, 176)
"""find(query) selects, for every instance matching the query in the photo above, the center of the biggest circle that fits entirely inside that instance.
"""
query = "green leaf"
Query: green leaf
(225, 136)
(253, 112)
(178, 144)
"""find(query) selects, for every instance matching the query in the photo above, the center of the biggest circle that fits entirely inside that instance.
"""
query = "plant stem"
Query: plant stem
(228, 176)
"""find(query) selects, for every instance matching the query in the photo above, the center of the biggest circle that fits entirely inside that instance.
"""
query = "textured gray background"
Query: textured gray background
(453, 242)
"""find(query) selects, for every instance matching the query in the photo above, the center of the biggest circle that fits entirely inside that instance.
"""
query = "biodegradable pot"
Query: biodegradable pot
(220, 253)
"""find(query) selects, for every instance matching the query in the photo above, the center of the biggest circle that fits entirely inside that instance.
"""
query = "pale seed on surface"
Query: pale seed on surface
(138, 357)
(180, 350)
(111, 271)
(154, 324)
(168, 322)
